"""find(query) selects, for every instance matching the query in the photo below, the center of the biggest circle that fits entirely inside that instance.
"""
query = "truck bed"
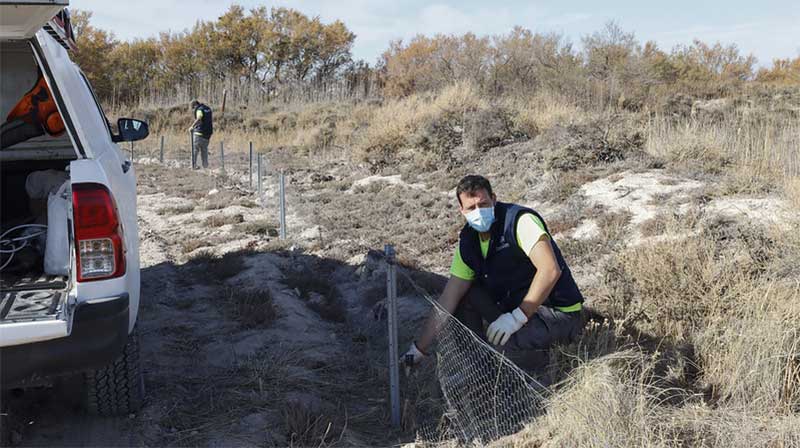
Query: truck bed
(28, 298)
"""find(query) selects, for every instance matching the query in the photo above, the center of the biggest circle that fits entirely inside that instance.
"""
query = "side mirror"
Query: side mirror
(131, 130)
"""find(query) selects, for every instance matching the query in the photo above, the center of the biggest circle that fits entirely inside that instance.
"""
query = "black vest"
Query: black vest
(507, 272)
(205, 126)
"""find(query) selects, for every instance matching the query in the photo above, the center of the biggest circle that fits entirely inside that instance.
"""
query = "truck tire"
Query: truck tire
(118, 388)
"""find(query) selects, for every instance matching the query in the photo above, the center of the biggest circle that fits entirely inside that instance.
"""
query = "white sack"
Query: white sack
(40, 184)
(56, 250)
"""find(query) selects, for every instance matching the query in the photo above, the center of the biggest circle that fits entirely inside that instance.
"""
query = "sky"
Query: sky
(767, 28)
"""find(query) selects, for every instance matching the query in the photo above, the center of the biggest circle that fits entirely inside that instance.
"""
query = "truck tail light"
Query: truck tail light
(98, 234)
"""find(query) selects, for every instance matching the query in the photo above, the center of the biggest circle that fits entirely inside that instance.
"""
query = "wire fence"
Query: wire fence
(487, 396)
(246, 167)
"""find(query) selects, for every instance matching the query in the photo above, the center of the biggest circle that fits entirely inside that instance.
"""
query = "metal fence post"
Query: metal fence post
(282, 193)
(161, 156)
(258, 179)
(391, 311)
(132, 158)
(251, 166)
(222, 155)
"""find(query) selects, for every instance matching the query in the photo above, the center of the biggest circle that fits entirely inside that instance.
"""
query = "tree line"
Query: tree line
(610, 60)
(270, 47)
(259, 45)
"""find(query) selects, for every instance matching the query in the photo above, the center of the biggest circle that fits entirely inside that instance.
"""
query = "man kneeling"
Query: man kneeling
(508, 271)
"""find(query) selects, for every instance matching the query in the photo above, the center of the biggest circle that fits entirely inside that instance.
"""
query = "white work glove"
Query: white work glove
(411, 358)
(413, 354)
(507, 324)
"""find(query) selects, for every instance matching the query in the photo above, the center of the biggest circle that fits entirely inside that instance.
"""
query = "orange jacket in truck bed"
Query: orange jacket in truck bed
(38, 107)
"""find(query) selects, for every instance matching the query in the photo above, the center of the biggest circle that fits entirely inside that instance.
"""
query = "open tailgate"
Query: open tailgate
(22, 19)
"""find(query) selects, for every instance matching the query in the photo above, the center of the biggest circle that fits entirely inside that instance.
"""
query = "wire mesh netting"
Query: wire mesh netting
(486, 395)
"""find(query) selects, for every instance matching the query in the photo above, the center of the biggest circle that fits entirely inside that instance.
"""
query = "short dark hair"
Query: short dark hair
(471, 184)
(195, 103)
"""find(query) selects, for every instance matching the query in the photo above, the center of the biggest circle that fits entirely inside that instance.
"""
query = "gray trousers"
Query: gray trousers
(199, 145)
(545, 328)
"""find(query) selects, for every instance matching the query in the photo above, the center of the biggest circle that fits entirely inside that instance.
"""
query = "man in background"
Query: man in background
(201, 130)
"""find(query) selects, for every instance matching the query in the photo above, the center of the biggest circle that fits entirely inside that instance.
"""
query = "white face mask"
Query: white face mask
(481, 219)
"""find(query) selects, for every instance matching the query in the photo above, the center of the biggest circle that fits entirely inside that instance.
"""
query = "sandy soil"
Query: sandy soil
(212, 381)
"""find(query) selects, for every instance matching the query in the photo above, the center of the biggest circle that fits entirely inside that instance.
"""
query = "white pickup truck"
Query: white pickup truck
(77, 320)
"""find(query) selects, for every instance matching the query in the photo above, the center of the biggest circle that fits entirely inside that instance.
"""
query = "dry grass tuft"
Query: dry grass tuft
(175, 210)
(212, 268)
(607, 401)
(252, 308)
(219, 220)
(220, 200)
(791, 189)
(657, 225)
(561, 185)
(752, 355)
(695, 152)
(307, 426)
(534, 114)
(431, 127)
(614, 226)
(258, 227)
(190, 245)
(614, 401)
(570, 215)
(761, 144)
(689, 275)
(729, 292)
(599, 142)
(226, 266)
(203, 256)
(319, 292)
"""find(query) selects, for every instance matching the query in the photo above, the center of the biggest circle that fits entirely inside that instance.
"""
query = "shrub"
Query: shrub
(221, 200)
(176, 210)
(219, 220)
(203, 256)
(752, 355)
(319, 292)
(654, 226)
(307, 425)
(254, 308)
(192, 244)
(532, 114)
(579, 146)
(614, 226)
(258, 227)
(560, 186)
(491, 128)
(217, 269)
(700, 277)
(435, 125)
